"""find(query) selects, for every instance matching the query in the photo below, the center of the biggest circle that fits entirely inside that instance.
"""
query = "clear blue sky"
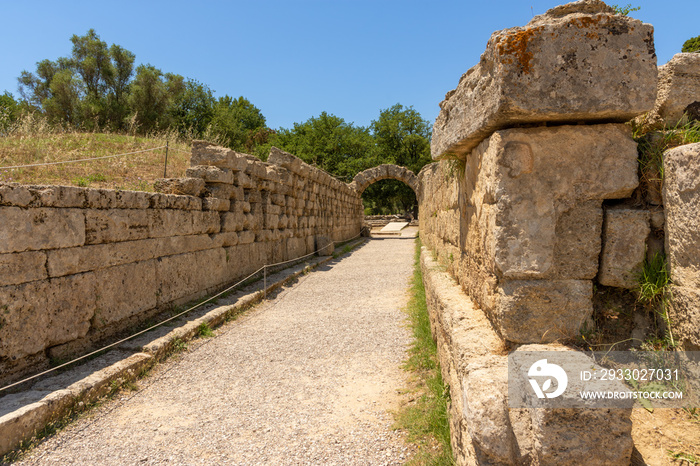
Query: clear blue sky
(294, 59)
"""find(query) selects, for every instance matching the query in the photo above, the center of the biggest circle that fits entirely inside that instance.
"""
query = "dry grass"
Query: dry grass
(33, 141)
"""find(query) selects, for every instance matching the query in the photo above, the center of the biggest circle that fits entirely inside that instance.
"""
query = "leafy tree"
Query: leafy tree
(151, 95)
(238, 123)
(692, 45)
(331, 144)
(192, 109)
(9, 111)
(402, 137)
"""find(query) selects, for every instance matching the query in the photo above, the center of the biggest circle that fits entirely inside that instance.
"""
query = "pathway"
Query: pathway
(307, 378)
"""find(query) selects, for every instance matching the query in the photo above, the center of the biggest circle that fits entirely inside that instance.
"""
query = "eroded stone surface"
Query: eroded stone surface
(678, 88)
(575, 63)
(624, 246)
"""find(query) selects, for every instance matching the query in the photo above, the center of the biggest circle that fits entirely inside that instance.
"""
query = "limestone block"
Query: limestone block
(278, 199)
(220, 191)
(101, 198)
(181, 186)
(252, 196)
(324, 245)
(541, 311)
(579, 63)
(37, 315)
(537, 194)
(243, 181)
(558, 435)
(132, 200)
(40, 228)
(213, 203)
(678, 87)
(165, 223)
(211, 174)
(246, 237)
(205, 153)
(233, 221)
(191, 274)
(271, 221)
(685, 316)
(284, 159)
(242, 206)
(13, 194)
(113, 303)
(624, 247)
(22, 267)
(283, 221)
(253, 221)
(226, 239)
(681, 194)
(69, 261)
(108, 226)
(485, 411)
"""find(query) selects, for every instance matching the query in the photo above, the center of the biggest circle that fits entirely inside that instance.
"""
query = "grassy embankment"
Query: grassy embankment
(424, 418)
(32, 141)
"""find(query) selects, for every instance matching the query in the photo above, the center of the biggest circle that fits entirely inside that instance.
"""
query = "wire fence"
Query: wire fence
(246, 280)
(82, 160)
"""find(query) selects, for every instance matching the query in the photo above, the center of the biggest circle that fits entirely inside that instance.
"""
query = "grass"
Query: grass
(425, 419)
(653, 283)
(653, 144)
(32, 141)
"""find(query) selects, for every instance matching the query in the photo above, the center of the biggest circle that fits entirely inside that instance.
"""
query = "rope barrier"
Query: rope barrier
(81, 160)
(112, 345)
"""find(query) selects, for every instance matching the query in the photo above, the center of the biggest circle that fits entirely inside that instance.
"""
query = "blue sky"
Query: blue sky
(294, 59)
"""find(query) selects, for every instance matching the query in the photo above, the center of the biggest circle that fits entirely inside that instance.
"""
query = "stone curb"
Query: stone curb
(23, 423)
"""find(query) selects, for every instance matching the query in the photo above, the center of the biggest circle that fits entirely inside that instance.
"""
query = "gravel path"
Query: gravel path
(307, 378)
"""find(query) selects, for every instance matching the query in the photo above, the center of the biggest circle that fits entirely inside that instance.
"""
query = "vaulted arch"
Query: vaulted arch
(383, 172)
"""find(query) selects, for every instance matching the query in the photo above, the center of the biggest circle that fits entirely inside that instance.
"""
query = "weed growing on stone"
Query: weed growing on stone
(204, 330)
(653, 282)
(426, 417)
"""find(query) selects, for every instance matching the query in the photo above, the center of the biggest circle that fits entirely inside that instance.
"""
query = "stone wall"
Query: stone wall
(78, 266)
(527, 209)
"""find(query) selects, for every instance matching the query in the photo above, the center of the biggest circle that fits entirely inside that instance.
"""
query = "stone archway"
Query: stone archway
(383, 172)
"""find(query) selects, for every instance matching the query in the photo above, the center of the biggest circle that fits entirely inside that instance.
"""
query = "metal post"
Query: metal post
(165, 170)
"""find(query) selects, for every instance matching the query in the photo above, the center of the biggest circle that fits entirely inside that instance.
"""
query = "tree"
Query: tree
(238, 123)
(402, 137)
(9, 111)
(151, 95)
(692, 45)
(331, 144)
(192, 109)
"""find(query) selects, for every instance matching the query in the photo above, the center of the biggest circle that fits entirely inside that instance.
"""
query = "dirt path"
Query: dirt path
(307, 378)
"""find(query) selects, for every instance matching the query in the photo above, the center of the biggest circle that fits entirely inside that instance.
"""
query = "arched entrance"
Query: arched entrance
(383, 172)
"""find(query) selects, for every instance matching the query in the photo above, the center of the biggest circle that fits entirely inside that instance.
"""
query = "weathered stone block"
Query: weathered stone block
(681, 193)
(678, 87)
(537, 196)
(40, 314)
(211, 174)
(685, 317)
(41, 228)
(246, 237)
(324, 245)
(132, 200)
(541, 311)
(101, 198)
(233, 221)
(22, 267)
(181, 186)
(189, 275)
(113, 303)
(108, 226)
(205, 153)
(166, 223)
(578, 62)
(624, 246)
(557, 435)
(213, 203)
